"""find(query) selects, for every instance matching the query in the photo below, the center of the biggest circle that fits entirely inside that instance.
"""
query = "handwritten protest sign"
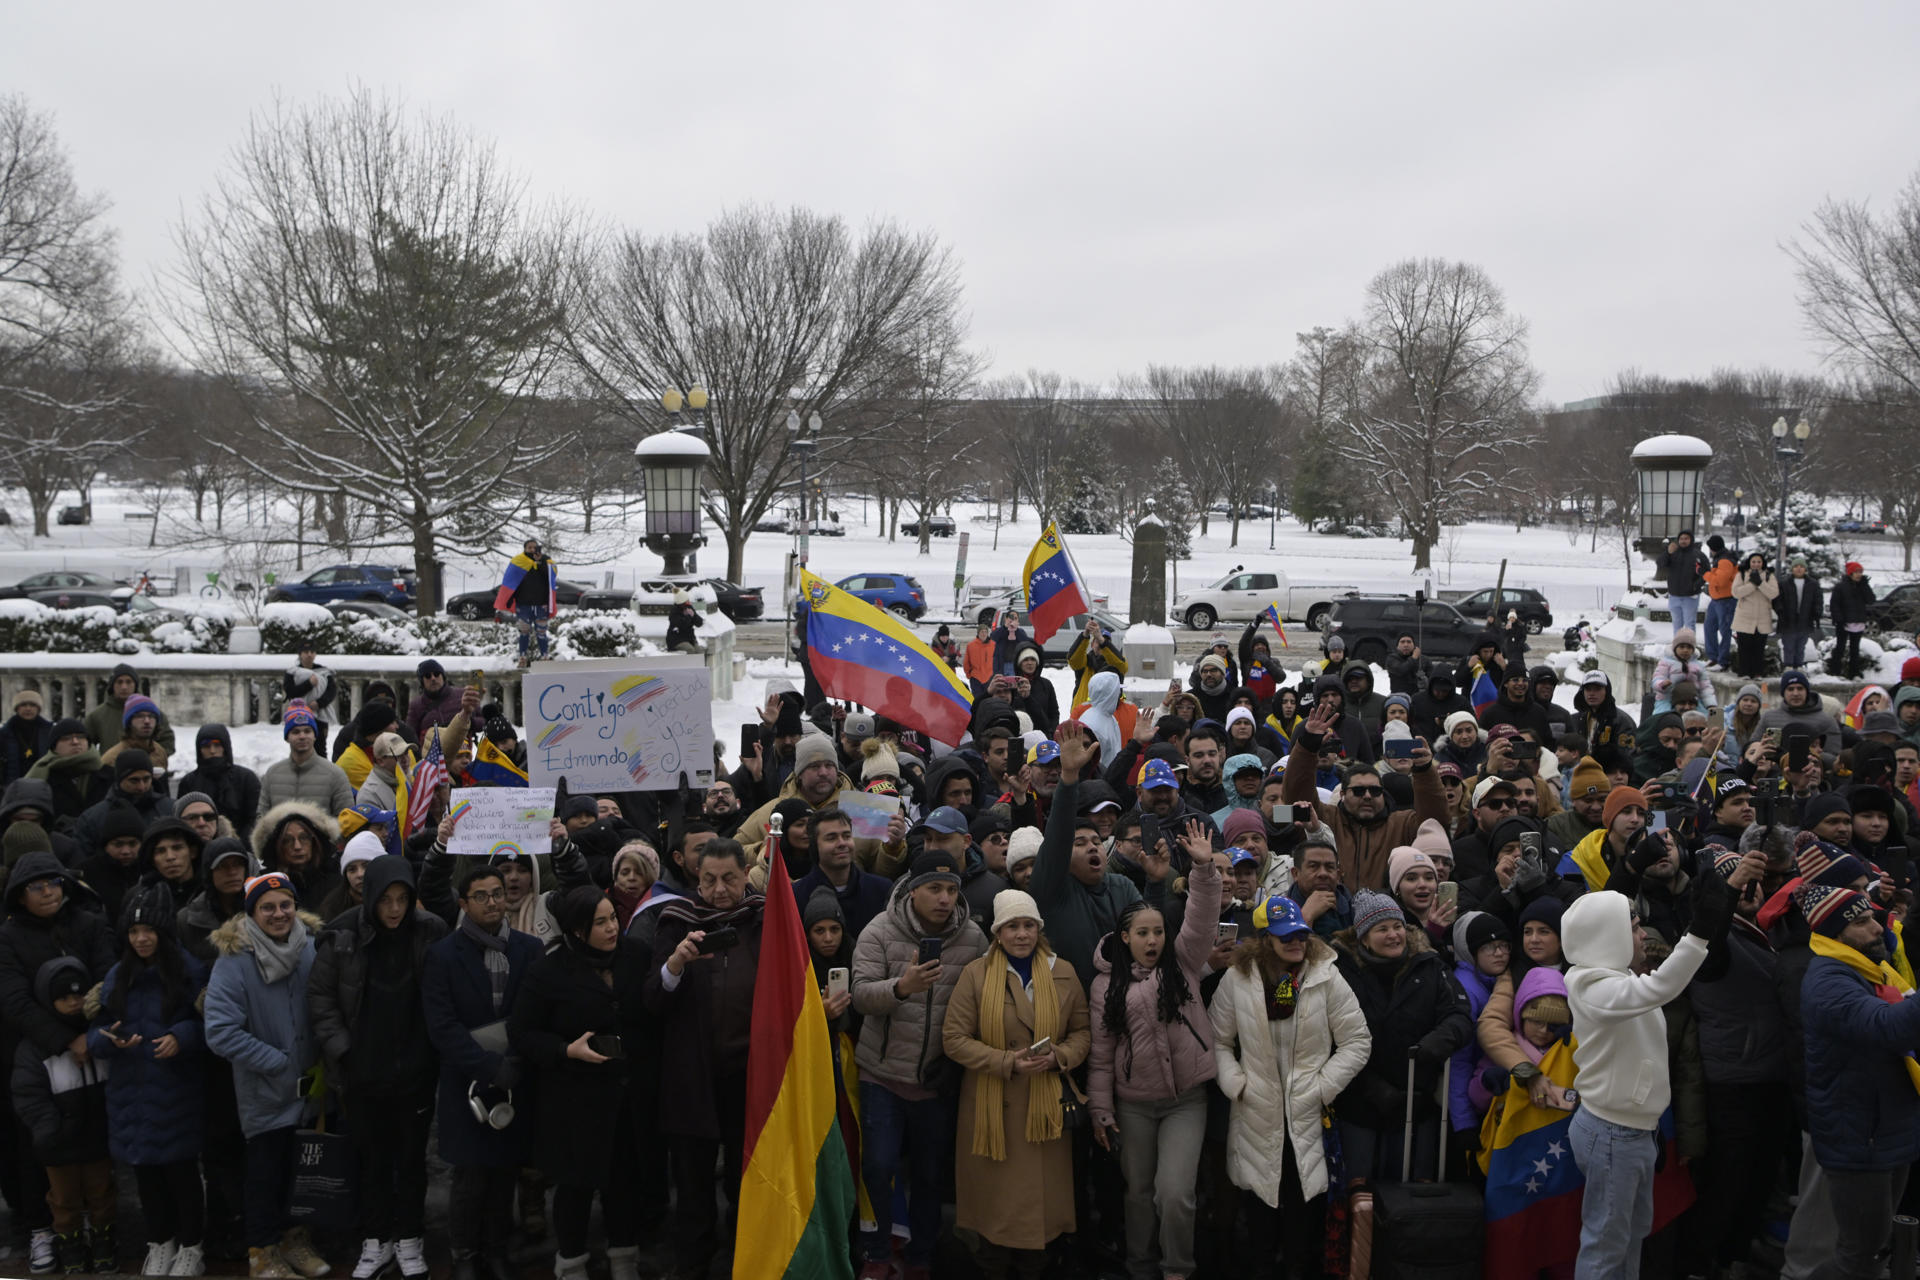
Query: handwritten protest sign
(500, 821)
(620, 724)
(868, 813)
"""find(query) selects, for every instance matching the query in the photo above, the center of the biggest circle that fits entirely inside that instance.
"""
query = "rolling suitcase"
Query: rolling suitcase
(1427, 1230)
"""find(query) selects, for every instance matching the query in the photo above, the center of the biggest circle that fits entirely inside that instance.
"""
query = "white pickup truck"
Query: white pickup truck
(1244, 595)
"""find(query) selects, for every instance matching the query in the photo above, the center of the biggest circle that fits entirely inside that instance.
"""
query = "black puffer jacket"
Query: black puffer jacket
(1443, 695)
(234, 789)
(1407, 1003)
(28, 941)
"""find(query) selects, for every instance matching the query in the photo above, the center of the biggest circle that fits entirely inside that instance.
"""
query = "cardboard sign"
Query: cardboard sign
(500, 822)
(619, 724)
(868, 813)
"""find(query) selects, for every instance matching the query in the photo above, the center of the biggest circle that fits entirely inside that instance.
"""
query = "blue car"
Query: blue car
(385, 583)
(895, 591)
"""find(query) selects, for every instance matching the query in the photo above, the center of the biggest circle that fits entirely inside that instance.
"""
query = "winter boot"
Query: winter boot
(267, 1264)
(569, 1268)
(73, 1252)
(297, 1251)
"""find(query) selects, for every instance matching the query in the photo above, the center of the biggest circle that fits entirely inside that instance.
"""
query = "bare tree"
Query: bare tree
(1037, 423)
(1450, 385)
(771, 313)
(1860, 287)
(389, 279)
(1324, 386)
(930, 433)
(1221, 426)
(56, 252)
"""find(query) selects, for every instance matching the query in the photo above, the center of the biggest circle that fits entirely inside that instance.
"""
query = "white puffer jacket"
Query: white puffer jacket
(1321, 1049)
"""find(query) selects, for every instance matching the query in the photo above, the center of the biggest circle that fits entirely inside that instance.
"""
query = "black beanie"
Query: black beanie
(69, 728)
(373, 717)
(1481, 930)
(1823, 806)
(931, 866)
(121, 821)
(131, 760)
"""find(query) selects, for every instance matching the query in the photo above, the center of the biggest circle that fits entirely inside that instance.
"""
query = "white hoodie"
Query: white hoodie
(1618, 1017)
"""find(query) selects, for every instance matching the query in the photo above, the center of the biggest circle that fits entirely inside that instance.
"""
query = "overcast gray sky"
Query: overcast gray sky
(1123, 182)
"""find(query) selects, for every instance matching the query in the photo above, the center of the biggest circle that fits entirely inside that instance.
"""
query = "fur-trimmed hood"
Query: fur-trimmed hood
(266, 832)
(230, 939)
(1417, 943)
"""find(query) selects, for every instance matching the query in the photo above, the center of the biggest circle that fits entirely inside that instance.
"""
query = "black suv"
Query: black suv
(1525, 601)
(1897, 609)
(1373, 625)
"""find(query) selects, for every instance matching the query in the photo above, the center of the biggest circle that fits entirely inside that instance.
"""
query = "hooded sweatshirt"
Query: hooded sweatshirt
(1622, 1050)
(1103, 697)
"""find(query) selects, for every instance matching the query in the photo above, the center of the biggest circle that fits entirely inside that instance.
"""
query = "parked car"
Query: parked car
(1897, 609)
(394, 585)
(1372, 625)
(1244, 595)
(901, 593)
(828, 528)
(61, 580)
(380, 610)
(771, 522)
(72, 515)
(937, 526)
(738, 603)
(122, 601)
(474, 605)
(988, 605)
(1525, 601)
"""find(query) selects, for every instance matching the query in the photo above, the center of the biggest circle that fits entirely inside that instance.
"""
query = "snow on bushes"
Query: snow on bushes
(600, 635)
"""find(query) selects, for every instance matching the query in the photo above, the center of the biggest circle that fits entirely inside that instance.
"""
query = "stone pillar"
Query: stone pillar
(1147, 597)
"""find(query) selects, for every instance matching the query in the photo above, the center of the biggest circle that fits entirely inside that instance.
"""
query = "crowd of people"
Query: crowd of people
(1132, 986)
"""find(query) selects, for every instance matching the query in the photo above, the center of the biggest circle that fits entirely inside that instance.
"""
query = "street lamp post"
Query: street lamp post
(803, 438)
(1273, 515)
(1739, 519)
(1787, 455)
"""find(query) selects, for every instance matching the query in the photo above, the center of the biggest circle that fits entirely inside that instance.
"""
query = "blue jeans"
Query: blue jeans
(1616, 1211)
(888, 1123)
(533, 623)
(1793, 649)
(1719, 637)
(1686, 611)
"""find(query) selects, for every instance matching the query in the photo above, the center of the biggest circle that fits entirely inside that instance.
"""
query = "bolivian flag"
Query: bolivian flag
(796, 1185)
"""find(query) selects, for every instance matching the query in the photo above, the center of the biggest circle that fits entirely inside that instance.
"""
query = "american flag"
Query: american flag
(427, 778)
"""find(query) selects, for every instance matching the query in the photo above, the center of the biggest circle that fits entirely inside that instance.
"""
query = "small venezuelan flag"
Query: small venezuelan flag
(1485, 692)
(866, 655)
(1272, 615)
(796, 1183)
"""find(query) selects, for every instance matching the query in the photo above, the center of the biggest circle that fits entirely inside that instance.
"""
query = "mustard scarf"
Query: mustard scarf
(989, 1089)
(1878, 975)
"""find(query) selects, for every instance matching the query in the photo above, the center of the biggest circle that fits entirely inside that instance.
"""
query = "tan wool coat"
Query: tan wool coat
(1026, 1200)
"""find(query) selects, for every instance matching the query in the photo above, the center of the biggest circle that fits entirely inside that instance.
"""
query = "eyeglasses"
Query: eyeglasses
(1366, 791)
(484, 896)
(50, 885)
(196, 819)
(275, 909)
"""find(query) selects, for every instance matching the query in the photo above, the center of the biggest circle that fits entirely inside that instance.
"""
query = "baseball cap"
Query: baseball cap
(1046, 751)
(1595, 677)
(947, 820)
(1488, 786)
(1238, 857)
(1157, 774)
(1280, 916)
(857, 727)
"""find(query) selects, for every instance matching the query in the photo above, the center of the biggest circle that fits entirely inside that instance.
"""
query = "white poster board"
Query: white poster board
(619, 724)
(498, 822)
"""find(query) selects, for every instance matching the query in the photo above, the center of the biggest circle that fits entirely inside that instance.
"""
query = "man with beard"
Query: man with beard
(1587, 790)
(1206, 751)
(1364, 832)
(1861, 1106)
(1078, 899)
(133, 786)
(817, 781)
(721, 807)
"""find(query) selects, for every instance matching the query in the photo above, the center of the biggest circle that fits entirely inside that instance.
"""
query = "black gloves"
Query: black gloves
(1495, 1080)
(1648, 848)
(1431, 1051)
(1712, 908)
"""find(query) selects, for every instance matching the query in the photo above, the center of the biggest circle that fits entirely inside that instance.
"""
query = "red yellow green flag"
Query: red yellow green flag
(796, 1185)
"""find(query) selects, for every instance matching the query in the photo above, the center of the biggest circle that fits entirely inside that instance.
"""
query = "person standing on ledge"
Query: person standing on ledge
(529, 591)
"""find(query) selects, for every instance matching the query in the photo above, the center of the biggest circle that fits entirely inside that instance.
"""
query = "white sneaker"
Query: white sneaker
(190, 1261)
(159, 1260)
(411, 1253)
(41, 1252)
(375, 1256)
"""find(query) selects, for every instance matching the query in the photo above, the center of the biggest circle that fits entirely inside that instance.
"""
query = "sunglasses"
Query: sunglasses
(1366, 791)
(1499, 802)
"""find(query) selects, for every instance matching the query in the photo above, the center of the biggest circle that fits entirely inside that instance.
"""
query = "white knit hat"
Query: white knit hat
(1014, 904)
(1023, 844)
(364, 847)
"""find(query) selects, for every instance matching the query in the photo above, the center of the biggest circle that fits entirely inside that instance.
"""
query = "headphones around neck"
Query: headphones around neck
(498, 1116)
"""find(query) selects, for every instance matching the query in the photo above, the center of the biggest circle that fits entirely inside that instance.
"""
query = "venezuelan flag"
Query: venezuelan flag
(1272, 615)
(866, 655)
(517, 570)
(1534, 1185)
(796, 1184)
(493, 767)
(1054, 593)
(1485, 693)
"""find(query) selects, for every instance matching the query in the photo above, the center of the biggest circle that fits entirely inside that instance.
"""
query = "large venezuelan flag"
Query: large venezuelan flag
(1054, 593)
(493, 767)
(1484, 693)
(1534, 1186)
(517, 570)
(868, 656)
(796, 1183)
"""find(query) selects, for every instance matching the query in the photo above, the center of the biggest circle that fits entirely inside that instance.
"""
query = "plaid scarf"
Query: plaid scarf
(493, 950)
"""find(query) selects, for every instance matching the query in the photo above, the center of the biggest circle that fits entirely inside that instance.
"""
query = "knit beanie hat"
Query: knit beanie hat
(120, 822)
(364, 847)
(1724, 861)
(1431, 839)
(1459, 718)
(1485, 927)
(194, 797)
(822, 904)
(1242, 822)
(130, 761)
(1588, 780)
(1910, 670)
(1829, 910)
(296, 714)
(1794, 677)
(268, 882)
(881, 761)
(812, 749)
(136, 704)
(1545, 910)
(69, 728)
(1620, 798)
(21, 839)
(25, 697)
(429, 667)
(1685, 635)
(1400, 700)
(932, 867)
(1402, 860)
(1820, 862)
(1371, 909)
(1014, 904)
(1022, 845)
(373, 718)
(1822, 807)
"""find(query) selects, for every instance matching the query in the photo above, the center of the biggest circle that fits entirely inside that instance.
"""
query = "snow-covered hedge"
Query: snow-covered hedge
(595, 634)
(26, 626)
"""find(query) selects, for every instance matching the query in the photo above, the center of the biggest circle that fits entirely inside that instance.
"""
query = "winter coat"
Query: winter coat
(1413, 1002)
(262, 1028)
(74, 782)
(151, 806)
(198, 921)
(1367, 706)
(1605, 725)
(27, 942)
(1431, 707)
(62, 1101)
(340, 961)
(1862, 1109)
(1670, 670)
(156, 1107)
(1524, 715)
(319, 782)
(22, 742)
(1469, 1060)
(1077, 917)
(1814, 718)
(900, 1038)
(1025, 1200)
(105, 722)
(1684, 569)
(1736, 1003)
(1849, 601)
(561, 997)
(1106, 658)
(1404, 672)
(707, 1020)
(1800, 603)
(874, 855)
(1148, 1060)
(432, 710)
(863, 898)
(1041, 703)
(1279, 1076)
(316, 880)
(234, 789)
(1753, 605)
(316, 686)
(457, 995)
(1364, 846)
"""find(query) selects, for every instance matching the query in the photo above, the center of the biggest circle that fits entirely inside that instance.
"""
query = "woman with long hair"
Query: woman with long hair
(1289, 1035)
(1016, 1024)
(1153, 1051)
